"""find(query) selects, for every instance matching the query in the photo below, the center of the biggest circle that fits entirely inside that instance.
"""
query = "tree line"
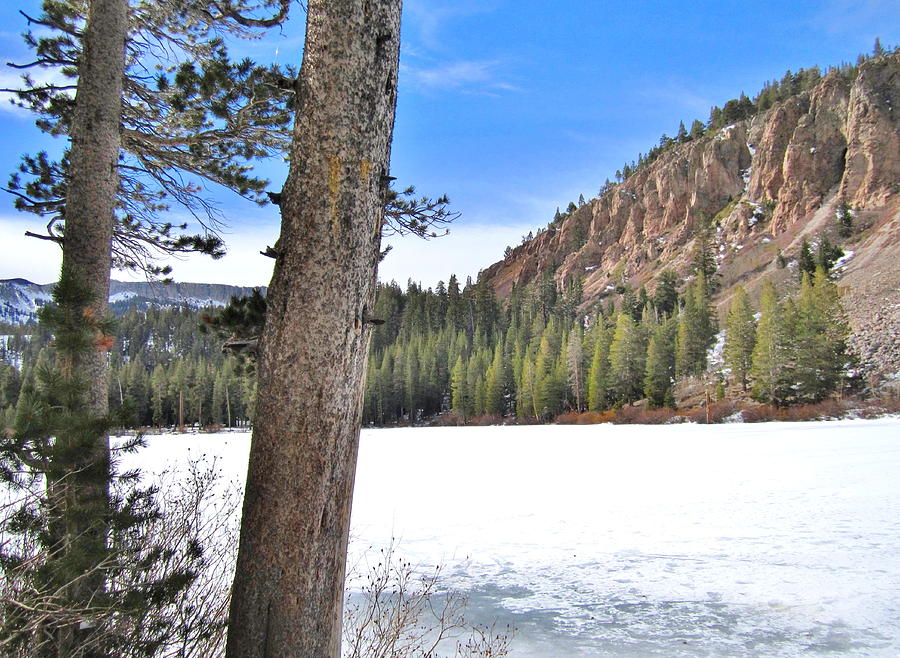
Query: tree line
(458, 348)
(541, 355)
(163, 371)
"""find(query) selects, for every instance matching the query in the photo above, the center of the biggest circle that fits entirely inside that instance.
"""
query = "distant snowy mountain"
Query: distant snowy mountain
(21, 299)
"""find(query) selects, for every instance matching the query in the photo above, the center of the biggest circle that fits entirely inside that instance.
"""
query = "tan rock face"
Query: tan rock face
(767, 182)
(873, 139)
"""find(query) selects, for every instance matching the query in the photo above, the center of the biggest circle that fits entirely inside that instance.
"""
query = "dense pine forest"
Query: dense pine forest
(459, 350)
(163, 370)
(543, 354)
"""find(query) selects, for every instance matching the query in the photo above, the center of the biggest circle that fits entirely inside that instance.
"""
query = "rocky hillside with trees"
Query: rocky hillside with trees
(752, 257)
(812, 158)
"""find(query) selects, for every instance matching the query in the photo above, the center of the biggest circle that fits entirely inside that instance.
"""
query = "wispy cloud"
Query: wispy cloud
(429, 20)
(431, 58)
(35, 260)
(856, 16)
(467, 76)
(10, 80)
(469, 248)
(678, 95)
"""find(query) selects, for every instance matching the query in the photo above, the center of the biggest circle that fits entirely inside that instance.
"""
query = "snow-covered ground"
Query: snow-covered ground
(777, 539)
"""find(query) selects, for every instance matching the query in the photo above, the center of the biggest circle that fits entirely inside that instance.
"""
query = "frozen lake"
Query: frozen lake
(727, 540)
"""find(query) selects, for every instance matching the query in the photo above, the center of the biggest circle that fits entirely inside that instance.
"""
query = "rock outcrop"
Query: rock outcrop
(765, 184)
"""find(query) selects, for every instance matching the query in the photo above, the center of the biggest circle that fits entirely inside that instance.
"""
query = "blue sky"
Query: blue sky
(510, 108)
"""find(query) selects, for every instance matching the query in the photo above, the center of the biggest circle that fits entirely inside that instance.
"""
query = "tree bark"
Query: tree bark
(90, 204)
(288, 588)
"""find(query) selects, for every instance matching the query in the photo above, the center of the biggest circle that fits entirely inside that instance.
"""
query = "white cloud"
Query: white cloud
(683, 98)
(12, 79)
(451, 75)
(39, 261)
(430, 60)
(429, 20)
(24, 257)
(468, 249)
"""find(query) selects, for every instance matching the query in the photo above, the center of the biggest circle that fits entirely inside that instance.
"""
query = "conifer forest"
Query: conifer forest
(457, 349)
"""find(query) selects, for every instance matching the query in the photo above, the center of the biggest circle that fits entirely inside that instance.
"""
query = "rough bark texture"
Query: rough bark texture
(90, 204)
(288, 587)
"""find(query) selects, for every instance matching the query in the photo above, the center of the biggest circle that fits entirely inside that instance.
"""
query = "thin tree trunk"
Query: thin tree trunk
(227, 406)
(288, 587)
(89, 211)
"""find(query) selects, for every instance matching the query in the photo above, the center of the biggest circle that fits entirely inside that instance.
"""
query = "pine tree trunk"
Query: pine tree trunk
(90, 204)
(288, 587)
(227, 406)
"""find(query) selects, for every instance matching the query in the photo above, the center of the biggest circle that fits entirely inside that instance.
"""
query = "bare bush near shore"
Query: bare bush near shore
(188, 549)
(395, 610)
(401, 611)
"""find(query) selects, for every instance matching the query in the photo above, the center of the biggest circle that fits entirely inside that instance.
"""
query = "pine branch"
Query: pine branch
(44, 61)
(227, 9)
(51, 238)
(53, 25)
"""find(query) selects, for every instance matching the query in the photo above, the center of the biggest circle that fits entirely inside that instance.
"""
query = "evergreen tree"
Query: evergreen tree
(740, 337)
(845, 220)
(158, 397)
(90, 525)
(659, 375)
(598, 375)
(806, 262)
(138, 387)
(548, 386)
(772, 364)
(696, 329)
(820, 340)
(525, 389)
(495, 383)
(314, 348)
(575, 367)
(455, 311)
(665, 296)
(459, 388)
(703, 255)
(192, 87)
(627, 359)
(697, 129)
(826, 256)
(632, 305)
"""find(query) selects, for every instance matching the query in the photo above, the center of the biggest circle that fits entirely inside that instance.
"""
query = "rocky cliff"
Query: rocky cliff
(764, 184)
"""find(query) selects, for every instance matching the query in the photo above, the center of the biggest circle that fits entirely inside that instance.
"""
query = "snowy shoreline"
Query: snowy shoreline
(676, 540)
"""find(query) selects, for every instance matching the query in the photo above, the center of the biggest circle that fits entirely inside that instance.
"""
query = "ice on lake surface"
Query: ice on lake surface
(776, 539)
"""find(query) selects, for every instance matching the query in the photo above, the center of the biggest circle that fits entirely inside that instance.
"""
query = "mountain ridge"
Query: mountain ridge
(20, 299)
